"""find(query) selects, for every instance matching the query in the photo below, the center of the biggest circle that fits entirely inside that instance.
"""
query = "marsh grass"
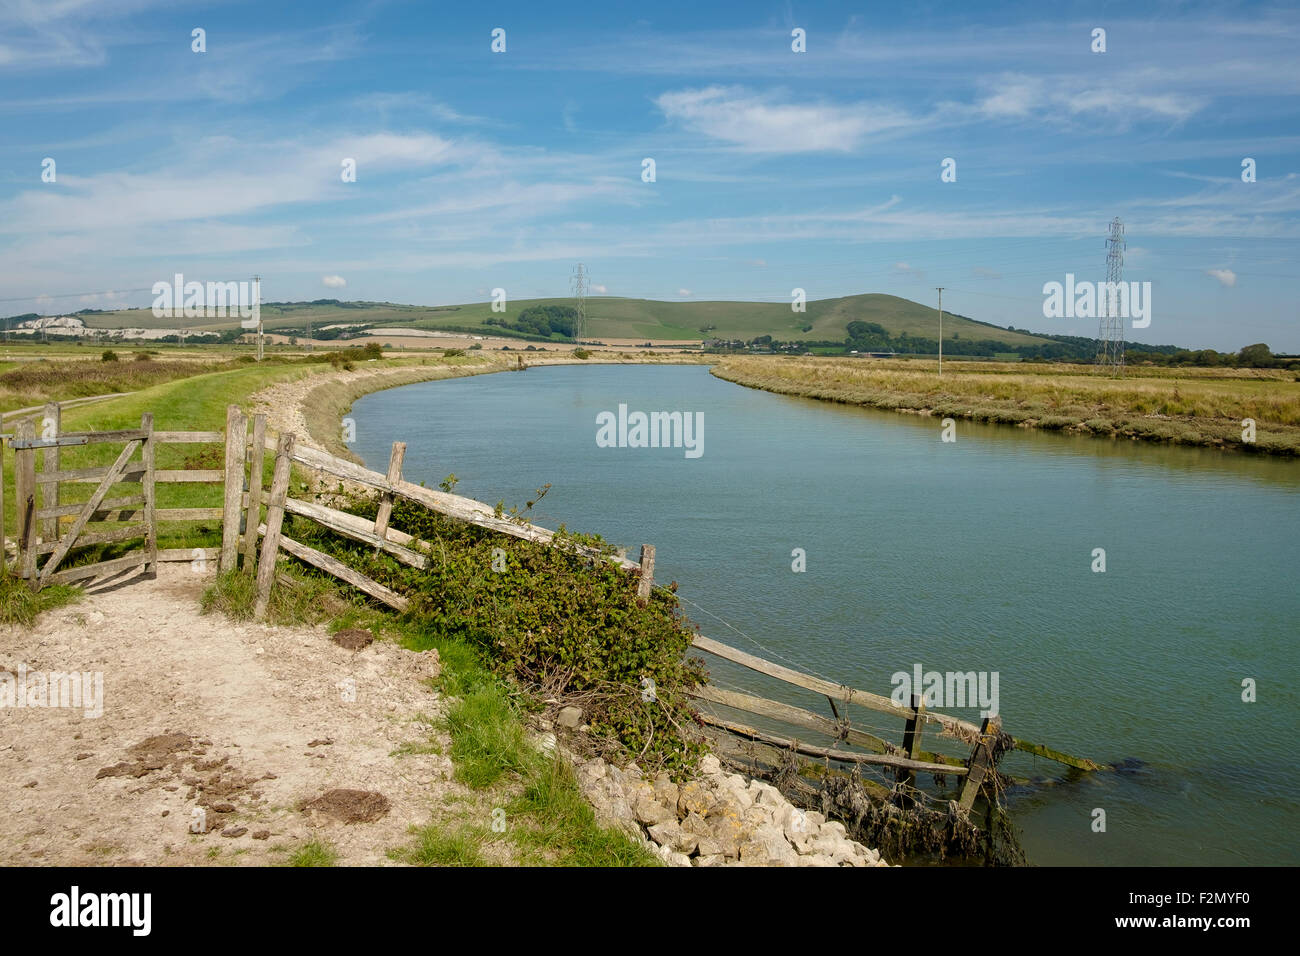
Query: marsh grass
(1185, 406)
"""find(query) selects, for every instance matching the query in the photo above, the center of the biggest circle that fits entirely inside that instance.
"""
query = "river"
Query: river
(976, 554)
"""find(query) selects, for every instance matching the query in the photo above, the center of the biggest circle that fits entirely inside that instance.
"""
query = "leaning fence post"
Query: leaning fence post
(4, 542)
(274, 519)
(253, 514)
(647, 581)
(236, 427)
(51, 427)
(981, 762)
(149, 487)
(912, 738)
(25, 503)
(395, 459)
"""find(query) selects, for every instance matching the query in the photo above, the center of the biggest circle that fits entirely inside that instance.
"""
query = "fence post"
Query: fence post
(981, 762)
(236, 428)
(274, 519)
(912, 738)
(148, 485)
(4, 542)
(51, 427)
(395, 459)
(256, 456)
(647, 580)
(25, 504)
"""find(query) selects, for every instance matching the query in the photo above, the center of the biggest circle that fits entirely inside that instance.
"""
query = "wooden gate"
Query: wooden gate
(56, 543)
(121, 508)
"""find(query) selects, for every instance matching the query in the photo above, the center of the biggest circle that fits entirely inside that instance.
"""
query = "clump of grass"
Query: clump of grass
(560, 827)
(435, 846)
(313, 853)
(487, 738)
(19, 604)
(295, 598)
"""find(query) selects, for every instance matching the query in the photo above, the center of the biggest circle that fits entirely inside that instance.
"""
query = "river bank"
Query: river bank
(314, 406)
(1205, 407)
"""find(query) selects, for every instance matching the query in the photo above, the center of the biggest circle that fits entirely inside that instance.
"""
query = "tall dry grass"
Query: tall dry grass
(1191, 406)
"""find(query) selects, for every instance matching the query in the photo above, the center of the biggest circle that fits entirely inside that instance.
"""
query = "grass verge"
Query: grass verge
(536, 806)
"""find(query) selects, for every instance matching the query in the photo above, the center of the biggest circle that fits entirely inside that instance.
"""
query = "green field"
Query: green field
(616, 318)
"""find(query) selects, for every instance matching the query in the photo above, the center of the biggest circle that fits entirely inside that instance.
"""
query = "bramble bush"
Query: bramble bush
(560, 623)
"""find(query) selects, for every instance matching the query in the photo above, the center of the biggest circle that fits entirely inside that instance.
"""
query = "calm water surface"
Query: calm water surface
(974, 555)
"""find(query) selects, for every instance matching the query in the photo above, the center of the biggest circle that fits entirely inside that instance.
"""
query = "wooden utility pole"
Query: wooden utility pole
(940, 288)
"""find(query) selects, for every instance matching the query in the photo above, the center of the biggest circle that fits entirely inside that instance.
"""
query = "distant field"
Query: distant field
(616, 318)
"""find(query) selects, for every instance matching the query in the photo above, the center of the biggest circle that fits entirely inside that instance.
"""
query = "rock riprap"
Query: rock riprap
(717, 819)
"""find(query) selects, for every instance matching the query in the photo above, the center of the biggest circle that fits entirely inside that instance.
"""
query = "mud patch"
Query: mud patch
(353, 639)
(348, 806)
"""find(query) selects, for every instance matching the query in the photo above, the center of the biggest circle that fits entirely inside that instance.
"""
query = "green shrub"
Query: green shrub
(108, 356)
(551, 619)
(581, 353)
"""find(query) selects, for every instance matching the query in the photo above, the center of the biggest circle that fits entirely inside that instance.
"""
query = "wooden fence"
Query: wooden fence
(907, 758)
(244, 515)
(50, 528)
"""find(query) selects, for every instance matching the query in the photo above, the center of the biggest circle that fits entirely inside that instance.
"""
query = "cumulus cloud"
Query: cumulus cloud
(764, 123)
(1225, 276)
(334, 282)
(600, 289)
(683, 292)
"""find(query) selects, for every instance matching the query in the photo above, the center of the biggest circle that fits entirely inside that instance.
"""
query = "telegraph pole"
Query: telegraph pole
(940, 288)
(257, 306)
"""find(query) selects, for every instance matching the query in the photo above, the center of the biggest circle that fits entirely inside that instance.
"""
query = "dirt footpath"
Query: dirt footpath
(228, 728)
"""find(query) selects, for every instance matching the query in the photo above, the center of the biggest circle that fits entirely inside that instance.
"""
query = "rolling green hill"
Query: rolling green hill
(616, 318)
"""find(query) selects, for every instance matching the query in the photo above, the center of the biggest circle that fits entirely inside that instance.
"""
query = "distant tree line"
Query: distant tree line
(543, 321)
(873, 337)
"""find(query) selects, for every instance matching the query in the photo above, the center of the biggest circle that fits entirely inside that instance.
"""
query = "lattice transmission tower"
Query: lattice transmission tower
(1110, 334)
(580, 281)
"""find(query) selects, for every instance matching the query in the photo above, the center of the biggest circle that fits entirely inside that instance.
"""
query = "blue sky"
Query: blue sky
(774, 169)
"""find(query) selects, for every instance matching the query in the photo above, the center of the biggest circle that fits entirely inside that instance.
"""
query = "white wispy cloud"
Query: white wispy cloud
(334, 282)
(773, 123)
(1017, 96)
(1225, 276)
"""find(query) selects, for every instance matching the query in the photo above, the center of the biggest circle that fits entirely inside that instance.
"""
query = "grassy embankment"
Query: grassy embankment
(1182, 406)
